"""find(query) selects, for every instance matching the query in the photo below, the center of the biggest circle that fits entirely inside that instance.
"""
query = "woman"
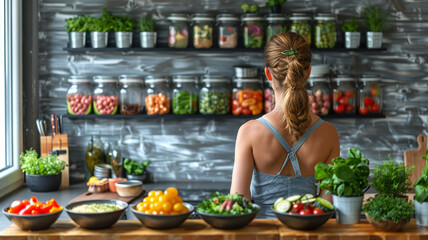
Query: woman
(275, 155)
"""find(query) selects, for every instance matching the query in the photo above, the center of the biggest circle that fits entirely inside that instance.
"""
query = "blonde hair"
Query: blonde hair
(290, 73)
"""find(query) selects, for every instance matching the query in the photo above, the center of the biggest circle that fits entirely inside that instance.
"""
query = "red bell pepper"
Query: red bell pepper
(16, 207)
(27, 210)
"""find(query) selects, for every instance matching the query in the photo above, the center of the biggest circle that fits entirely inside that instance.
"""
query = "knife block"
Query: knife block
(53, 143)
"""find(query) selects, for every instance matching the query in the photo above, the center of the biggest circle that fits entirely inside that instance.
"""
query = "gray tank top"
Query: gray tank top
(266, 188)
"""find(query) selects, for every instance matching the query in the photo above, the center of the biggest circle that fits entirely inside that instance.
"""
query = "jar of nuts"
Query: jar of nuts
(158, 96)
(79, 95)
(106, 95)
(131, 95)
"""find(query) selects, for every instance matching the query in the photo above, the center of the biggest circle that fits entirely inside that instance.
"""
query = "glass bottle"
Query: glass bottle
(79, 96)
(114, 158)
(319, 95)
(106, 95)
(214, 95)
(227, 30)
(158, 96)
(94, 153)
(253, 31)
(184, 95)
(247, 96)
(276, 24)
(131, 95)
(344, 95)
(300, 24)
(370, 94)
(178, 31)
(325, 30)
(202, 30)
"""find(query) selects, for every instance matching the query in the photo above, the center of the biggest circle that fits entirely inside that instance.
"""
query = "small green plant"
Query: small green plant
(247, 8)
(31, 163)
(104, 23)
(421, 185)
(350, 26)
(374, 18)
(123, 24)
(271, 3)
(345, 177)
(80, 23)
(388, 207)
(135, 168)
(146, 24)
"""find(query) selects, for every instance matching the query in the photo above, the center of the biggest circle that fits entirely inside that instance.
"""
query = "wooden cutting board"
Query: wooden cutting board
(413, 158)
(104, 196)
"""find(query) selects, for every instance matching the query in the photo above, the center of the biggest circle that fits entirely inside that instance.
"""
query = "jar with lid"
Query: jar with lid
(131, 95)
(214, 95)
(79, 96)
(202, 30)
(319, 95)
(276, 24)
(227, 30)
(158, 96)
(301, 24)
(178, 30)
(247, 96)
(106, 95)
(269, 96)
(325, 30)
(253, 31)
(370, 95)
(94, 153)
(184, 95)
(344, 95)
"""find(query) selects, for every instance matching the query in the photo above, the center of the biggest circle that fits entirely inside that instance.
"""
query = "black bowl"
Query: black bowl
(32, 222)
(229, 221)
(303, 222)
(162, 221)
(96, 220)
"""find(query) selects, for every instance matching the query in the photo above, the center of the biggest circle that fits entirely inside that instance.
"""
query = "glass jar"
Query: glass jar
(227, 30)
(214, 95)
(344, 95)
(370, 95)
(106, 95)
(253, 31)
(79, 96)
(300, 24)
(178, 31)
(269, 96)
(276, 24)
(94, 153)
(325, 30)
(184, 95)
(247, 96)
(158, 98)
(319, 95)
(131, 95)
(114, 158)
(202, 30)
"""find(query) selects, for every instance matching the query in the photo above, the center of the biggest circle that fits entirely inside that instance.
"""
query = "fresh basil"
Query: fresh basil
(421, 185)
(31, 163)
(135, 168)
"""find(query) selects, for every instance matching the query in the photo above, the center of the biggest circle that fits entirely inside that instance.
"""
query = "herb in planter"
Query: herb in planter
(146, 24)
(350, 26)
(79, 23)
(388, 207)
(271, 3)
(345, 177)
(123, 24)
(135, 168)
(247, 8)
(421, 185)
(104, 23)
(374, 18)
(31, 163)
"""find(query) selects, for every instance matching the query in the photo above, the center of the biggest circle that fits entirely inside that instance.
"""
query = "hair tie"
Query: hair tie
(290, 52)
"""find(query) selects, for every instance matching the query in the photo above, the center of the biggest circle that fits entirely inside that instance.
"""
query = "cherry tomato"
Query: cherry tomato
(364, 110)
(337, 96)
(16, 207)
(368, 101)
(237, 111)
(349, 109)
(318, 211)
(339, 109)
(374, 90)
(343, 101)
(349, 93)
(246, 111)
(297, 206)
(305, 211)
(375, 108)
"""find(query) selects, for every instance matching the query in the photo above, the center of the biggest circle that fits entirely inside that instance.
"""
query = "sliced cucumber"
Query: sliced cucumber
(283, 206)
(294, 198)
(325, 203)
(309, 200)
(307, 196)
(277, 201)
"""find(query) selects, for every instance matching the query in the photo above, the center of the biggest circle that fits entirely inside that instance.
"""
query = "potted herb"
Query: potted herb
(76, 28)
(135, 170)
(146, 26)
(421, 196)
(346, 179)
(352, 36)
(123, 31)
(275, 5)
(387, 212)
(99, 28)
(375, 20)
(41, 174)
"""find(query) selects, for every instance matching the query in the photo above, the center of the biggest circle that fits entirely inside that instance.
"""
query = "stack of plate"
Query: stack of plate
(102, 171)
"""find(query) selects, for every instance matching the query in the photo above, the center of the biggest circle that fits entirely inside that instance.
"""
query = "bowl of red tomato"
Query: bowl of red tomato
(303, 212)
(32, 214)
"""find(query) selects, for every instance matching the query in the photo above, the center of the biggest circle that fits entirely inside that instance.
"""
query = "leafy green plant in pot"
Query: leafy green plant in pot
(99, 28)
(275, 5)
(375, 19)
(352, 36)
(76, 28)
(135, 170)
(41, 174)
(146, 26)
(347, 180)
(421, 196)
(123, 27)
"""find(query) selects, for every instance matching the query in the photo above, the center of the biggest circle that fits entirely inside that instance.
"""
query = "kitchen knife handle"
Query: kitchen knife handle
(53, 124)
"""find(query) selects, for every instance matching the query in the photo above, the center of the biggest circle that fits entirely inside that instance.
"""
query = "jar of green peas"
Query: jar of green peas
(301, 24)
(325, 30)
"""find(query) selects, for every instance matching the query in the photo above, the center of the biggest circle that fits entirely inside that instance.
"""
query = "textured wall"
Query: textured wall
(202, 150)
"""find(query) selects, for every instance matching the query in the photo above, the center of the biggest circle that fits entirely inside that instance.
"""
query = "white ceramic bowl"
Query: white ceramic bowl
(131, 188)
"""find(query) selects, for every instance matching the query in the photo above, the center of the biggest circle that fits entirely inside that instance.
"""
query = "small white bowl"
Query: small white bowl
(131, 188)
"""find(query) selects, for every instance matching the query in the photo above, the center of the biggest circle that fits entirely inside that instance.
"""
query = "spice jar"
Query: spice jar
(319, 95)
(184, 95)
(79, 96)
(325, 30)
(214, 95)
(178, 31)
(276, 24)
(344, 95)
(253, 31)
(370, 95)
(247, 96)
(105, 95)
(131, 95)
(269, 96)
(227, 30)
(94, 153)
(158, 95)
(202, 30)
(300, 24)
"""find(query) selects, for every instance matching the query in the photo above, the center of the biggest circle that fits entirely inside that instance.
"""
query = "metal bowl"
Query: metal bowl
(303, 222)
(162, 221)
(32, 222)
(229, 221)
(96, 220)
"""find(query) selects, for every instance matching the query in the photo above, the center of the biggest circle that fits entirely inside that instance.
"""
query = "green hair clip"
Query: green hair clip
(290, 52)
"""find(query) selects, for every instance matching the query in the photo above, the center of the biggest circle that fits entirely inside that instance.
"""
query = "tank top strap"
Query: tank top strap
(276, 133)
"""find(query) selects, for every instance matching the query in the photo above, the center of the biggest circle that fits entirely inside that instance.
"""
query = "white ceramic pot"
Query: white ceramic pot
(348, 209)
(148, 39)
(77, 39)
(374, 39)
(123, 39)
(99, 39)
(352, 39)
(421, 212)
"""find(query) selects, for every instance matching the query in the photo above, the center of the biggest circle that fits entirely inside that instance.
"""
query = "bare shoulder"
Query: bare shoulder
(249, 128)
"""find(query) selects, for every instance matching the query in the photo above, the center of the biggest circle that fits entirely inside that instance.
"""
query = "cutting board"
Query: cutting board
(413, 157)
(104, 196)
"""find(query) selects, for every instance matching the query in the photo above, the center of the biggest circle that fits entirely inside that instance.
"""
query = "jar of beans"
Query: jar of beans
(344, 95)
(301, 24)
(276, 24)
(106, 95)
(319, 95)
(325, 30)
(202, 30)
(178, 30)
(247, 96)
(214, 95)
(158, 96)
(184, 95)
(79, 95)
(131, 95)
(253, 31)
(227, 30)
(370, 95)
(269, 96)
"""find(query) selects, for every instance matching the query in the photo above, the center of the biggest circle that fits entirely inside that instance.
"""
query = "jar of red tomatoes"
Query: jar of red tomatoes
(370, 95)
(79, 95)
(247, 96)
(344, 95)
(106, 95)
(319, 95)
(269, 96)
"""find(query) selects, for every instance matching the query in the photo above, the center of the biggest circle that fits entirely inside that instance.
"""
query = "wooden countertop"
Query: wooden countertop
(197, 229)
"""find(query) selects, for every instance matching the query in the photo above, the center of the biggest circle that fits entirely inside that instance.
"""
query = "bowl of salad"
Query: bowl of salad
(227, 211)
(303, 212)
